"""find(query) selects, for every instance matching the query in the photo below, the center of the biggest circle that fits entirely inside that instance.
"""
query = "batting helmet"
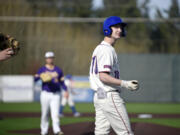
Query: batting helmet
(68, 77)
(110, 21)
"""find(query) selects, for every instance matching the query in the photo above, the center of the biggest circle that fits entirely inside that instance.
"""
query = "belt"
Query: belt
(111, 91)
(114, 91)
(50, 91)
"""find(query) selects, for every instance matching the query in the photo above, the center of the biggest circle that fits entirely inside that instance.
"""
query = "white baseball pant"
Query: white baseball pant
(111, 112)
(68, 100)
(50, 101)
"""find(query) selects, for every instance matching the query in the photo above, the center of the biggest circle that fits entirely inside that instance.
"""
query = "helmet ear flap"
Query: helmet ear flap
(107, 32)
(123, 33)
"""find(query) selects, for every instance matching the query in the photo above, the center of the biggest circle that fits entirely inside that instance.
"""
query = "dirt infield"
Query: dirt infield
(87, 128)
(37, 114)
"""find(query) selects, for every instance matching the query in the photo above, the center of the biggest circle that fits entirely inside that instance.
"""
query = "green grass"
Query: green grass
(20, 107)
(30, 123)
(165, 122)
(18, 124)
(82, 107)
(35, 107)
(153, 108)
(89, 107)
(33, 123)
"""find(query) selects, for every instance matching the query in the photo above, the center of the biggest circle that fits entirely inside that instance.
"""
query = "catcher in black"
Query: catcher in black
(9, 47)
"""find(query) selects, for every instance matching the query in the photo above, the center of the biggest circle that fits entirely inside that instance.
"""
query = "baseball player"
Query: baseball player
(69, 83)
(105, 81)
(52, 78)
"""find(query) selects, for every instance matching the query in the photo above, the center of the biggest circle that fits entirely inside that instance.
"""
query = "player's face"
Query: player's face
(50, 60)
(116, 31)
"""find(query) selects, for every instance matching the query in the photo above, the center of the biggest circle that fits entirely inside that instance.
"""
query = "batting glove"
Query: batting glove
(130, 85)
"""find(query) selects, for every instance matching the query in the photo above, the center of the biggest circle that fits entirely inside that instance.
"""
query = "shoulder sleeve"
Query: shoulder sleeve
(105, 60)
(37, 75)
(60, 72)
(61, 78)
(42, 69)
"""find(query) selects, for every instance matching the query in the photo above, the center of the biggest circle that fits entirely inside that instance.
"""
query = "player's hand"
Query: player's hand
(6, 54)
(6, 42)
(66, 94)
(130, 85)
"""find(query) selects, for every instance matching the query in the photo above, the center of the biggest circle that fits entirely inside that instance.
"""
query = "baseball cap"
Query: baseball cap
(49, 54)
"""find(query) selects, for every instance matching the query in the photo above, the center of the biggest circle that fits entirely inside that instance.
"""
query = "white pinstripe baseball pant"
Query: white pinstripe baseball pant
(111, 112)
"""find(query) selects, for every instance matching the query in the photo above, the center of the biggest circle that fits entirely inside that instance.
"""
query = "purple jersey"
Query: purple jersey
(55, 84)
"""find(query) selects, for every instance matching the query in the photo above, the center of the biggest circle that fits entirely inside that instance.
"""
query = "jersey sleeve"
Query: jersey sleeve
(61, 79)
(105, 61)
(60, 73)
(37, 75)
(41, 70)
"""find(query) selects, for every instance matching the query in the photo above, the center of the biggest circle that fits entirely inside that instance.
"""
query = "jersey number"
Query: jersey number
(94, 68)
(116, 74)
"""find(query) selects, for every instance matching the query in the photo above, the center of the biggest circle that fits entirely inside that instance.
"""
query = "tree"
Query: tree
(145, 9)
(165, 36)
(174, 10)
(75, 8)
(157, 35)
(44, 7)
(125, 8)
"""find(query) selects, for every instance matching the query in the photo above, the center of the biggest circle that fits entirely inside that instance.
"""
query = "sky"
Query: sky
(154, 4)
(97, 4)
(161, 4)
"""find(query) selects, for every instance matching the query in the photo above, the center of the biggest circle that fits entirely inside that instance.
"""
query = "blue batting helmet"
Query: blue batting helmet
(110, 21)
(68, 77)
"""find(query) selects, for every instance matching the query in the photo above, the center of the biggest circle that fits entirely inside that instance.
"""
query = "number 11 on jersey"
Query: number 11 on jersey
(94, 67)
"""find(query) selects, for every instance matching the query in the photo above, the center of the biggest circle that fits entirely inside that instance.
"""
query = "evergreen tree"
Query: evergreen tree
(75, 8)
(165, 36)
(145, 9)
(174, 28)
(125, 8)
(174, 10)
(159, 36)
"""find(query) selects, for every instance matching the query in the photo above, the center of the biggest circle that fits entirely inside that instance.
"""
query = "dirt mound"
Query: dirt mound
(87, 128)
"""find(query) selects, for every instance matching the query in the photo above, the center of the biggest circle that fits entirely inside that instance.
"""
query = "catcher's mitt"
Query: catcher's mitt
(7, 41)
(45, 77)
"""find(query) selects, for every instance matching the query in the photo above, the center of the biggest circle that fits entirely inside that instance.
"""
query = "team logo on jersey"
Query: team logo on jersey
(107, 66)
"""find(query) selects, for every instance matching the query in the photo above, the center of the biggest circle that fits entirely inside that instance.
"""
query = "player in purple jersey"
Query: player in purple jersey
(50, 94)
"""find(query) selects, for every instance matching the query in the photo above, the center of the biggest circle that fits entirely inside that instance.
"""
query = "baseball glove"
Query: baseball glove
(7, 41)
(45, 77)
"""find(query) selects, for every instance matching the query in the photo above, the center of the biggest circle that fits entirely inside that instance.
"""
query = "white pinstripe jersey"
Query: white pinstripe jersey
(104, 59)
